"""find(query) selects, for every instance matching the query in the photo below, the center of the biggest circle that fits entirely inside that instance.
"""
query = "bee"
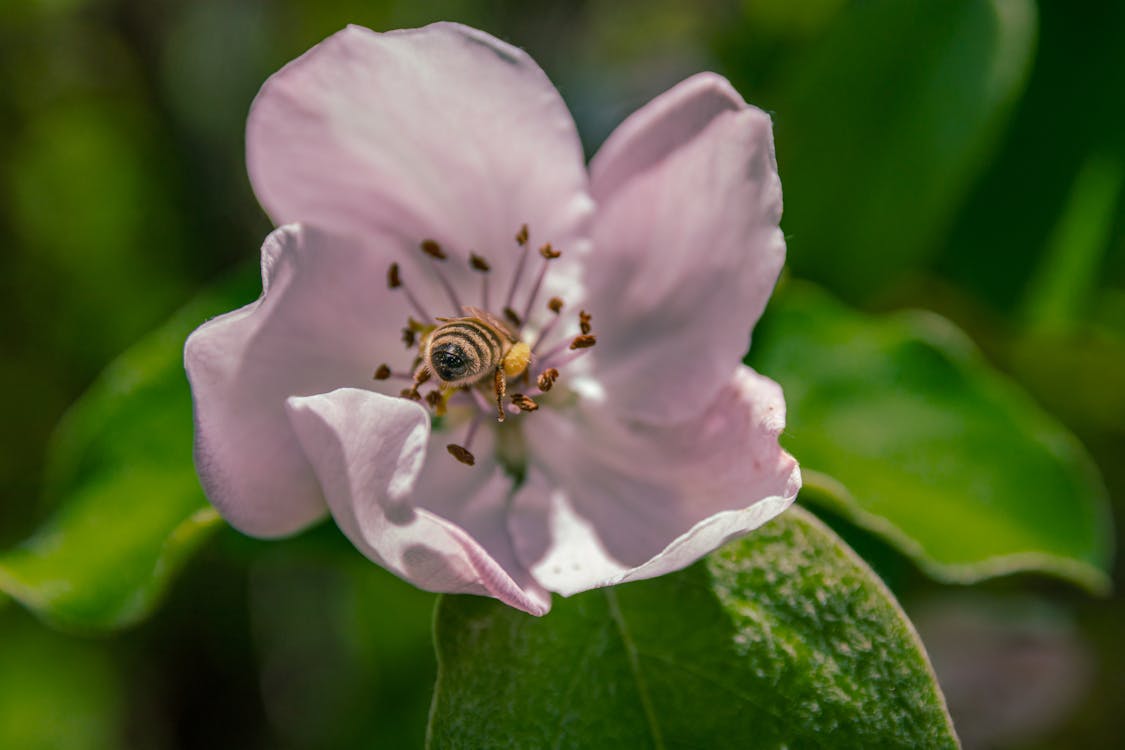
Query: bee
(461, 352)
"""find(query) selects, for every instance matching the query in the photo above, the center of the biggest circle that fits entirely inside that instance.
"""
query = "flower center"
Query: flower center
(472, 361)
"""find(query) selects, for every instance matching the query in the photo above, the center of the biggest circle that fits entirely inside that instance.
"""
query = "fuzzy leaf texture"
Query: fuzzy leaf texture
(783, 639)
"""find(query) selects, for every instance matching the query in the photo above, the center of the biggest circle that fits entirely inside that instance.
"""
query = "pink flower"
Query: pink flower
(400, 167)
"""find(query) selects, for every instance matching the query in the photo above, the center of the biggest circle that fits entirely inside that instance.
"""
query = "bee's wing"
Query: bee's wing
(490, 319)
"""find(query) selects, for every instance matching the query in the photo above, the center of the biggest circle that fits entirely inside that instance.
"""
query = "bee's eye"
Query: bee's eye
(450, 361)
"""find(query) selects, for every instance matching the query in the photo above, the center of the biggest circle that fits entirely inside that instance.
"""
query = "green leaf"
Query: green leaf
(784, 638)
(883, 126)
(908, 432)
(129, 505)
(57, 693)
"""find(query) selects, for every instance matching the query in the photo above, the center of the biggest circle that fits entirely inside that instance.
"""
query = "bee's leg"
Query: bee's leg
(500, 384)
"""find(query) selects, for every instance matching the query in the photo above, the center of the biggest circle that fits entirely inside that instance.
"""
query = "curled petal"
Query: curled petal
(442, 133)
(639, 501)
(367, 451)
(319, 324)
(688, 247)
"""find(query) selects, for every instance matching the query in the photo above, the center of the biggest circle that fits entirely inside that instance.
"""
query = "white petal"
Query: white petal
(325, 319)
(619, 501)
(369, 454)
(441, 133)
(688, 248)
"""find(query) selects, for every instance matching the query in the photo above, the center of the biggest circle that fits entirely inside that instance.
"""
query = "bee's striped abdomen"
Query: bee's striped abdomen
(462, 351)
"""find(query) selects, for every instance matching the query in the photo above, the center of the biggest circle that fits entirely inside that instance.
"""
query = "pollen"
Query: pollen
(547, 379)
(517, 359)
(584, 321)
(585, 341)
(524, 402)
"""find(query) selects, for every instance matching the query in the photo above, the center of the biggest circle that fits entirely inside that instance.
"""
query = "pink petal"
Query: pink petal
(687, 247)
(369, 452)
(615, 501)
(442, 133)
(324, 320)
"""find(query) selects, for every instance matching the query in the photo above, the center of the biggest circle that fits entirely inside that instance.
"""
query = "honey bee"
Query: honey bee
(461, 352)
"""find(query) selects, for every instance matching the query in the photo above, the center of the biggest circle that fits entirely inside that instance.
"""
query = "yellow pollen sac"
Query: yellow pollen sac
(517, 359)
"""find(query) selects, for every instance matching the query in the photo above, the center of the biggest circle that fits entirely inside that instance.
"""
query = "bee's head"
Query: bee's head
(450, 362)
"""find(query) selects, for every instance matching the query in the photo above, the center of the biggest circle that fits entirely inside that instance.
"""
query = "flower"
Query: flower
(432, 174)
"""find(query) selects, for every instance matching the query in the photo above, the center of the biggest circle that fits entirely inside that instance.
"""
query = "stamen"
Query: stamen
(555, 305)
(478, 263)
(394, 281)
(411, 393)
(511, 315)
(521, 239)
(548, 253)
(584, 321)
(433, 249)
(557, 358)
(524, 403)
(478, 398)
(461, 452)
(547, 379)
(585, 341)
(436, 400)
(386, 373)
(408, 337)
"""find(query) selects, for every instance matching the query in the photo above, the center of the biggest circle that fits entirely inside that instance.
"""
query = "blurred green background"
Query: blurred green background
(963, 157)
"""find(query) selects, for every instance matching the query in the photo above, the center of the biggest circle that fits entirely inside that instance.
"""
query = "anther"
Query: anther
(549, 252)
(436, 401)
(585, 341)
(461, 454)
(433, 249)
(522, 236)
(524, 403)
(584, 321)
(512, 316)
(394, 279)
(411, 393)
(555, 305)
(547, 379)
(408, 337)
(382, 372)
(479, 264)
